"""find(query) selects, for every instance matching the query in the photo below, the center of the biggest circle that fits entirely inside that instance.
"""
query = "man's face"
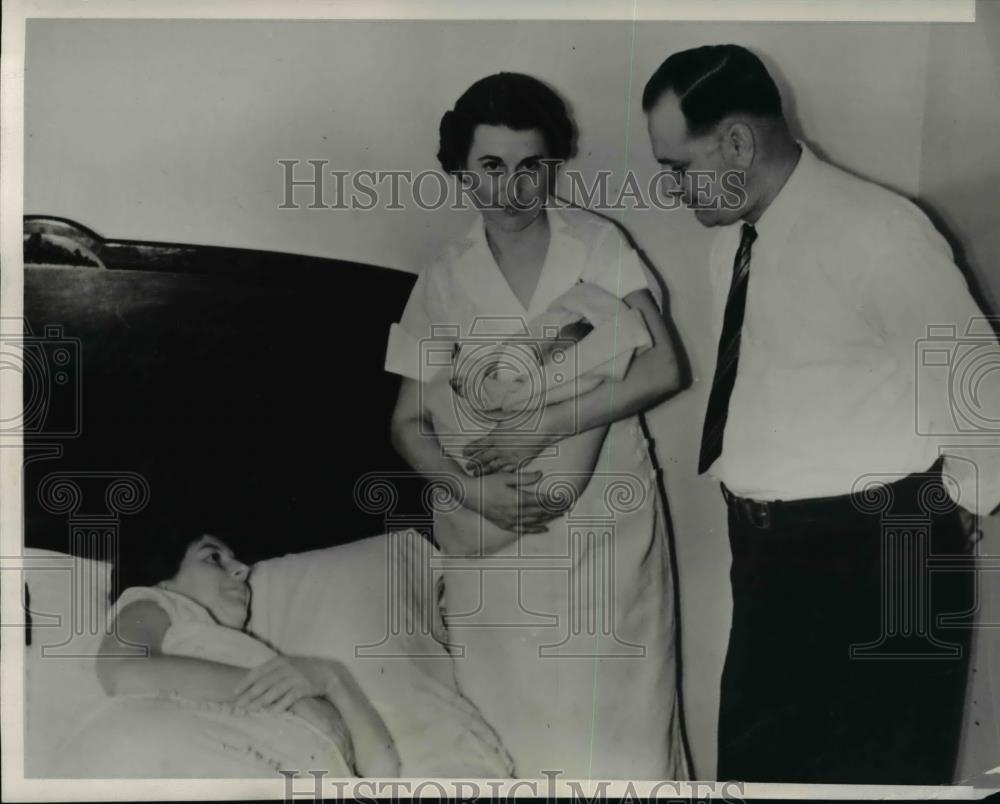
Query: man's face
(695, 168)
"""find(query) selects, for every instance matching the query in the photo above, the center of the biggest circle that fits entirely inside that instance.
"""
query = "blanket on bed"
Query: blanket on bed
(373, 604)
(165, 737)
(171, 736)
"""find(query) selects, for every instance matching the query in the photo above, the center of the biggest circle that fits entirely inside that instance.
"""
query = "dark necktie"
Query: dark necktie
(729, 354)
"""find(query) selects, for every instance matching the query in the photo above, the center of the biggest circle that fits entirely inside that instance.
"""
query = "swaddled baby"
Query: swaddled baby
(505, 382)
(587, 336)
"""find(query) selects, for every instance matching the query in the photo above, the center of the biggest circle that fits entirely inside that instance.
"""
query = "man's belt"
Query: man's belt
(767, 514)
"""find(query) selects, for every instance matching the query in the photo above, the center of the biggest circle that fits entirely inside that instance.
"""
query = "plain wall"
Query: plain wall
(178, 126)
(959, 176)
(960, 164)
(172, 131)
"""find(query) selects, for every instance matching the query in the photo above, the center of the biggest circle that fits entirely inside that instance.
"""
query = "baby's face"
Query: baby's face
(210, 574)
(485, 377)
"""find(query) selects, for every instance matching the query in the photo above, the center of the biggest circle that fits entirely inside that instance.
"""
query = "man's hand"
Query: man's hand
(510, 501)
(278, 684)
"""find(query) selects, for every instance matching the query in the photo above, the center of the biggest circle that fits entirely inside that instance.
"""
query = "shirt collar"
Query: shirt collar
(774, 226)
(482, 277)
(476, 233)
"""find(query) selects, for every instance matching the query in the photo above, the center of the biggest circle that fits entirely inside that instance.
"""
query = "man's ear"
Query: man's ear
(739, 145)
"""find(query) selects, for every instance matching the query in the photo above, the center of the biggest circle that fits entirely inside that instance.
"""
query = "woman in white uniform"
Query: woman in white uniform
(557, 575)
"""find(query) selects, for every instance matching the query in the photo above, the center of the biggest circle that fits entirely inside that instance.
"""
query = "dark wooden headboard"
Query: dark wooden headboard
(245, 388)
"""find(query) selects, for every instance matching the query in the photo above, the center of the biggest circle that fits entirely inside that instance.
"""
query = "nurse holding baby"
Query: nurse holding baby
(557, 572)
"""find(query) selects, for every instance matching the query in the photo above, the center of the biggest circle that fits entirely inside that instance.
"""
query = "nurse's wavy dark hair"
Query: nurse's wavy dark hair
(514, 100)
(713, 82)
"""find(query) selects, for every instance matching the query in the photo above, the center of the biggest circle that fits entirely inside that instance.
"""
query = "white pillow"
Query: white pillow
(373, 604)
(68, 611)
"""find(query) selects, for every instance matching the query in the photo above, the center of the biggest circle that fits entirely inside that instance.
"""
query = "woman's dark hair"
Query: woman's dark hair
(153, 557)
(712, 82)
(516, 101)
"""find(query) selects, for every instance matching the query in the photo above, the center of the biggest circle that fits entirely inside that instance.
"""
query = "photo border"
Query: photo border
(16, 12)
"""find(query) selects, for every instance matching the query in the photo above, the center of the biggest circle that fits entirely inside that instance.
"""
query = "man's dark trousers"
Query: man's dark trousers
(796, 705)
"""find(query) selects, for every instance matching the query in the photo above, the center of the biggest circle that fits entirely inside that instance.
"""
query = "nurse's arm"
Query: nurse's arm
(412, 435)
(653, 376)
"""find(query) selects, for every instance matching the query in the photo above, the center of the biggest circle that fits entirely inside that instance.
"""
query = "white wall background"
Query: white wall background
(171, 131)
(959, 177)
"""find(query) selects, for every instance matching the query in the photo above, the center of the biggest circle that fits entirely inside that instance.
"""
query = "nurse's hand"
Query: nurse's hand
(507, 449)
(494, 453)
(509, 500)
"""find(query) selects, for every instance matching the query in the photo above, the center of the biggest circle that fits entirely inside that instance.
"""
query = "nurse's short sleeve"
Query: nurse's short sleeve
(614, 265)
(423, 319)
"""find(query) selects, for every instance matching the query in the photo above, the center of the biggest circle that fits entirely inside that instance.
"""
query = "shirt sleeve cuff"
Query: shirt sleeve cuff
(402, 355)
(407, 356)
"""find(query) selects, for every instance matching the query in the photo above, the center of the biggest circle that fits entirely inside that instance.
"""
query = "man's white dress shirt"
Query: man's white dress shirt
(838, 382)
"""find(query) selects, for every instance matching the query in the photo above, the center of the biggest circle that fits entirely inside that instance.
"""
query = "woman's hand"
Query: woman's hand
(506, 449)
(510, 501)
(498, 452)
(279, 683)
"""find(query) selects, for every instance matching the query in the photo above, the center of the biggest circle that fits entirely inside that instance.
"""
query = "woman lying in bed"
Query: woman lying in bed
(192, 694)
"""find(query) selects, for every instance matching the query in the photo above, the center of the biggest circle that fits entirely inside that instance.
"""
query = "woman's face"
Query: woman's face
(211, 575)
(508, 175)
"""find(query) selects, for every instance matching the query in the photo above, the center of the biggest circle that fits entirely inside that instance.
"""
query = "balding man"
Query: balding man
(825, 283)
